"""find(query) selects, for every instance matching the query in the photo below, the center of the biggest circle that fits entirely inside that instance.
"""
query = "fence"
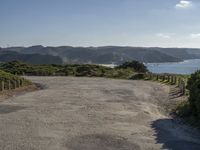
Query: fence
(10, 84)
(170, 79)
(44, 74)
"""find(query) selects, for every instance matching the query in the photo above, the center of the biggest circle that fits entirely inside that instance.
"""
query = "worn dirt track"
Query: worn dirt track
(92, 114)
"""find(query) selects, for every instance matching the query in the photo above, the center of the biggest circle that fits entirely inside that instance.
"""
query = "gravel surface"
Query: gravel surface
(92, 114)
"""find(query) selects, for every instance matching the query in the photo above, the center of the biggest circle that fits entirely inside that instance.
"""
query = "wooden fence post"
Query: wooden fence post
(18, 83)
(22, 82)
(157, 77)
(2, 85)
(179, 82)
(175, 80)
(163, 79)
(183, 87)
(172, 79)
(15, 85)
(168, 78)
(9, 85)
(150, 76)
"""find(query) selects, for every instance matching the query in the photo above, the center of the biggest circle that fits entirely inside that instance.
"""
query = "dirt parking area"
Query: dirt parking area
(92, 114)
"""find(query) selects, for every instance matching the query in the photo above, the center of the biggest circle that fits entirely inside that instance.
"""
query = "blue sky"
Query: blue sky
(164, 23)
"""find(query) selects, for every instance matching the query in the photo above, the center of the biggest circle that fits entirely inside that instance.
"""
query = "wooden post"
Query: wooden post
(175, 80)
(22, 82)
(167, 78)
(183, 87)
(9, 85)
(146, 76)
(2, 85)
(172, 79)
(179, 82)
(15, 84)
(157, 77)
(163, 78)
(150, 76)
(19, 83)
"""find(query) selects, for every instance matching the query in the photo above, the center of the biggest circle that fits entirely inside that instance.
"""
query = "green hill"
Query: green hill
(105, 55)
(6, 56)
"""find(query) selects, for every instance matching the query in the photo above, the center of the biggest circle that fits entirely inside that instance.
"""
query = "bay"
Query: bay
(185, 67)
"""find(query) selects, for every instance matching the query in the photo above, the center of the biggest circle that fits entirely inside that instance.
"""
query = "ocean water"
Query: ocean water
(185, 67)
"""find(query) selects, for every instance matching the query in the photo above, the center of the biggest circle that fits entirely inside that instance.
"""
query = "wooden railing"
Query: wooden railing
(11, 84)
(169, 79)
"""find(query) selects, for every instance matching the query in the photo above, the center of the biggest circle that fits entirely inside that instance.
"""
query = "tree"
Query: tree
(135, 65)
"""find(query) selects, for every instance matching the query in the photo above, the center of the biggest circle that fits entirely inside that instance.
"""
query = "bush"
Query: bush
(90, 70)
(84, 71)
(183, 109)
(194, 91)
(138, 76)
(135, 65)
(4, 76)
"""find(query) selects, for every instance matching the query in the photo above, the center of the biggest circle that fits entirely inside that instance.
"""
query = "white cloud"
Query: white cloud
(163, 35)
(195, 35)
(183, 4)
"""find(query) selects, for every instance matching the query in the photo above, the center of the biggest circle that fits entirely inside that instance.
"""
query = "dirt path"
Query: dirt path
(92, 114)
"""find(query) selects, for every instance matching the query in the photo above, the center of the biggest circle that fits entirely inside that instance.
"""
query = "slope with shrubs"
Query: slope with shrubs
(125, 71)
(190, 110)
(4, 76)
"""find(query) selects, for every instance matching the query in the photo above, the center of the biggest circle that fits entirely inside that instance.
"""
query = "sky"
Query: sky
(147, 23)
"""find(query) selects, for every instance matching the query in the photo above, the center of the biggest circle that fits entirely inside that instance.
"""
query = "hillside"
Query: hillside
(6, 56)
(98, 55)
(182, 53)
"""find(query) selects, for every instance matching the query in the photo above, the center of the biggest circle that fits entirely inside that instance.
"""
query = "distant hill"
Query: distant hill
(102, 55)
(182, 53)
(6, 56)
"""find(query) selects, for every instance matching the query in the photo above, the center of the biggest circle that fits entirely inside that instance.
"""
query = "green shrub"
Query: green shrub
(138, 76)
(84, 71)
(135, 65)
(183, 109)
(89, 70)
(4, 76)
(194, 92)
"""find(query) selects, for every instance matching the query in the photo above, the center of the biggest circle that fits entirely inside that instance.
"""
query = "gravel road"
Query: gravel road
(92, 114)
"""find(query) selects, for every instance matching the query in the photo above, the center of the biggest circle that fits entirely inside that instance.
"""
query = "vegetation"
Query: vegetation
(135, 66)
(191, 109)
(8, 76)
(126, 71)
(4, 76)
(194, 88)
